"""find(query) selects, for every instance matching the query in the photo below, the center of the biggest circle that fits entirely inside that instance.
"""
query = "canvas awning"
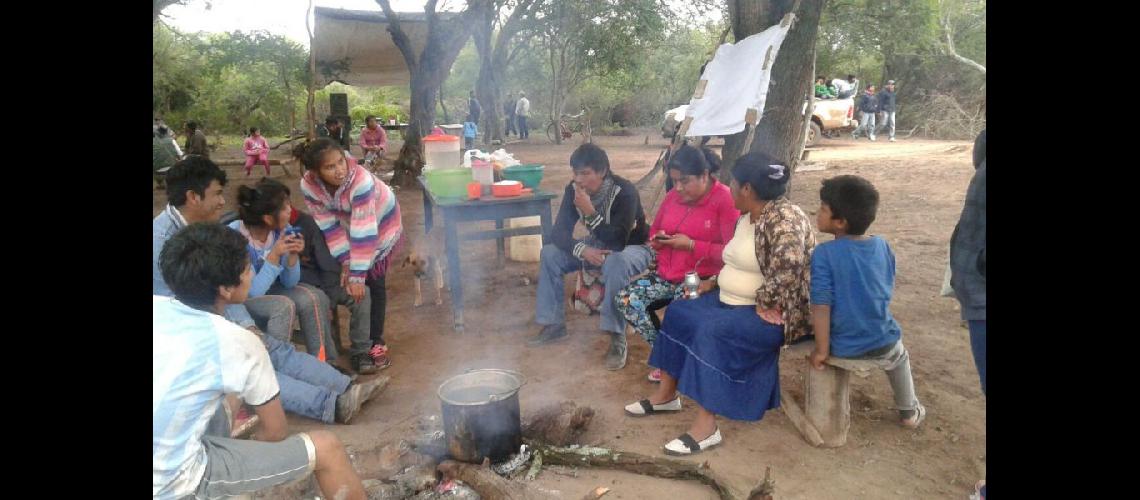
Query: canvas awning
(354, 46)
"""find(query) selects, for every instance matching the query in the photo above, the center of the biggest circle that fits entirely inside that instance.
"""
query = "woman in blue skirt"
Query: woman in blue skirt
(722, 348)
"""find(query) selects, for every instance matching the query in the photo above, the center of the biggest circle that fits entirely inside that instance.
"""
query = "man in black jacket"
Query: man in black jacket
(610, 208)
(320, 269)
(869, 106)
(887, 104)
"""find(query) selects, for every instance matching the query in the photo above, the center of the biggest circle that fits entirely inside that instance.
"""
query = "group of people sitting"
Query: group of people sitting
(225, 299)
(764, 283)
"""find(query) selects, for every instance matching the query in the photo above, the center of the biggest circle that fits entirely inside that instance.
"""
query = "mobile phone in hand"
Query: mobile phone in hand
(292, 231)
(661, 237)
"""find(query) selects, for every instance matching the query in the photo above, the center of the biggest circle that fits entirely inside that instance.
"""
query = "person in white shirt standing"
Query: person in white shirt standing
(522, 111)
(199, 357)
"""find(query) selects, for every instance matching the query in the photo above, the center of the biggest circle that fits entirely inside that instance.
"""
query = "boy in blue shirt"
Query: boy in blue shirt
(470, 129)
(852, 279)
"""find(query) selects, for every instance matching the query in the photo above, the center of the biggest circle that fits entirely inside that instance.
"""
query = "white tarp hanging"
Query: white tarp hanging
(358, 46)
(736, 81)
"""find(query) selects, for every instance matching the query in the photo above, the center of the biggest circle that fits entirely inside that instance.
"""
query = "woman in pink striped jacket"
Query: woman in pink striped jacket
(256, 151)
(359, 217)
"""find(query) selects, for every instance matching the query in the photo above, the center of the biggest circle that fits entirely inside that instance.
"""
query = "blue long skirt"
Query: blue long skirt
(724, 357)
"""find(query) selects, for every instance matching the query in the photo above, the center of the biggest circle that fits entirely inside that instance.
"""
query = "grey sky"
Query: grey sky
(286, 17)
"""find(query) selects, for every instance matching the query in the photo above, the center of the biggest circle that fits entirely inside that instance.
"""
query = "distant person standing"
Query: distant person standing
(887, 104)
(473, 107)
(522, 111)
(509, 110)
(869, 106)
(846, 88)
(196, 141)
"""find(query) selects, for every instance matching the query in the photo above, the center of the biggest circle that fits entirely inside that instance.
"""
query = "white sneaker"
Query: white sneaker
(892, 139)
(643, 407)
(872, 138)
(686, 445)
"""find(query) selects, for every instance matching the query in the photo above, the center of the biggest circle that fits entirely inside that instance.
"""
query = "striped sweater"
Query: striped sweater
(366, 207)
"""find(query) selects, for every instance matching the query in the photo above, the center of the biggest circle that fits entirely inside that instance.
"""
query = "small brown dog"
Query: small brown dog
(426, 256)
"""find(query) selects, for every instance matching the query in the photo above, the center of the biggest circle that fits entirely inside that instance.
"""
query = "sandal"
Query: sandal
(644, 407)
(686, 445)
(379, 353)
(655, 375)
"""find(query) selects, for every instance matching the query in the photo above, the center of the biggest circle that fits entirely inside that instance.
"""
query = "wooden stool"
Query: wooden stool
(826, 416)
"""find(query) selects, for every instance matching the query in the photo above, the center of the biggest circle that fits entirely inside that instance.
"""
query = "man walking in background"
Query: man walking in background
(522, 111)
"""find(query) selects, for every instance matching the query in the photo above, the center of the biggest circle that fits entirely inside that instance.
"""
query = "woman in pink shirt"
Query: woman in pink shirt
(374, 141)
(689, 233)
(256, 151)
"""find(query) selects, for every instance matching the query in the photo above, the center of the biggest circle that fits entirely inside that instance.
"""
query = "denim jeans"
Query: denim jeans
(360, 318)
(379, 297)
(619, 267)
(523, 131)
(978, 345)
(313, 309)
(309, 387)
(888, 123)
(511, 125)
(867, 125)
(273, 314)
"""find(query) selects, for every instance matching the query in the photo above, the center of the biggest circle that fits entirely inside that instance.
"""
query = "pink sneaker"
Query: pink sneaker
(655, 375)
(380, 357)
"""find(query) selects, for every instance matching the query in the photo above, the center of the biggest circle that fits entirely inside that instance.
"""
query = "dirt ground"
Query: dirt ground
(922, 185)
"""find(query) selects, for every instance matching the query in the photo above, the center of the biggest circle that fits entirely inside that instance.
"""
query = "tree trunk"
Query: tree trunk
(487, 86)
(310, 102)
(442, 106)
(781, 129)
(428, 70)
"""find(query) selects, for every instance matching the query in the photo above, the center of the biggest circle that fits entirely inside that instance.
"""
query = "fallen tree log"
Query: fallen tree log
(489, 485)
(590, 456)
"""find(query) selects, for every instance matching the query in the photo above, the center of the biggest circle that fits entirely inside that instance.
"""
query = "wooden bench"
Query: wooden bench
(826, 416)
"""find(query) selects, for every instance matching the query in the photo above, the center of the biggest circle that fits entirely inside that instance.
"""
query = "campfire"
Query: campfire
(424, 467)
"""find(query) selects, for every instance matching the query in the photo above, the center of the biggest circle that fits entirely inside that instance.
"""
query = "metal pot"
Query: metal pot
(481, 414)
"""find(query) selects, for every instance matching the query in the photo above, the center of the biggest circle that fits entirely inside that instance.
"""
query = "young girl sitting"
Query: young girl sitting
(274, 254)
(360, 219)
(256, 151)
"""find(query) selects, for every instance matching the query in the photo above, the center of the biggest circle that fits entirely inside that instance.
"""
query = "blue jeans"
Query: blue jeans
(309, 387)
(978, 345)
(887, 122)
(523, 131)
(554, 263)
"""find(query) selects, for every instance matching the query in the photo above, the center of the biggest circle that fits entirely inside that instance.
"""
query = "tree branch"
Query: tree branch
(950, 45)
(398, 36)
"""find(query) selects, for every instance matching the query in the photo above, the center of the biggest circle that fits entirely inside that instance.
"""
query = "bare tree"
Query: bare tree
(781, 129)
(446, 36)
(495, 55)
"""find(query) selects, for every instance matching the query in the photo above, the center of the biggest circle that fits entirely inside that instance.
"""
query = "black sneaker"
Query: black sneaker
(549, 335)
(362, 364)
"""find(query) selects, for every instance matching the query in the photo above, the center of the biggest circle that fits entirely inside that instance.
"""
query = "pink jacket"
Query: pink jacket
(710, 223)
(252, 145)
(373, 138)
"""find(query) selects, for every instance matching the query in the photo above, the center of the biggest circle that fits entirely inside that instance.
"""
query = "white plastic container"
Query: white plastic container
(441, 152)
(524, 248)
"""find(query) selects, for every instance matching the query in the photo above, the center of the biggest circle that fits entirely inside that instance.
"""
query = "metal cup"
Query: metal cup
(691, 284)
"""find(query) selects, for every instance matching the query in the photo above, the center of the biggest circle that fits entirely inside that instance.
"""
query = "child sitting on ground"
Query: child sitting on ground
(852, 279)
(470, 130)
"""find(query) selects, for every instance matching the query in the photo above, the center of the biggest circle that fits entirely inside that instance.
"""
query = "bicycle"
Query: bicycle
(580, 125)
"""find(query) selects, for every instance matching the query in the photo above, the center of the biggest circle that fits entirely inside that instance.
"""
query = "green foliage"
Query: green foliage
(229, 81)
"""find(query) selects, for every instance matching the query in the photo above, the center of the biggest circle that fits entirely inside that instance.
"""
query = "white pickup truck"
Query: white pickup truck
(829, 115)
